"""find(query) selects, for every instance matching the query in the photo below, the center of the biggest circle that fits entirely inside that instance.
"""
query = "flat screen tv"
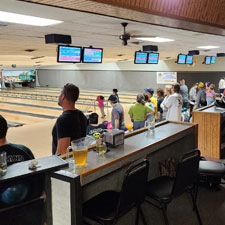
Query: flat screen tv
(189, 59)
(140, 57)
(207, 60)
(92, 55)
(213, 59)
(69, 54)
(181, 59)
(153, 58)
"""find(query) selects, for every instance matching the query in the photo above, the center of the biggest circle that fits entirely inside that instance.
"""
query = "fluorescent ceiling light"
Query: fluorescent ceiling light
(208, 47)
(155, 39)
(28, 20)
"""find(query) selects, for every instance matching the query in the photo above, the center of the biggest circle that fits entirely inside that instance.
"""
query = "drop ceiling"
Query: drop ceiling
(88, 29)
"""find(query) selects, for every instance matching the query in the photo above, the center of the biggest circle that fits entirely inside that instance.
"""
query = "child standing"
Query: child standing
(100, 100)
(115, 92)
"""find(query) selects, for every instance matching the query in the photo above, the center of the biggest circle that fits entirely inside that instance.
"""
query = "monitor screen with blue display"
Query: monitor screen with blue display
(189, 59)
(207, 60)
(181, 59)
(92, 55)
(140, 57)
(153, 58)
(69, 54)
(213, 59)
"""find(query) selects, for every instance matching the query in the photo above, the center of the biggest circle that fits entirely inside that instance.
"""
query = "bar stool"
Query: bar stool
(211, 172)
(162, 190)
(108, 206)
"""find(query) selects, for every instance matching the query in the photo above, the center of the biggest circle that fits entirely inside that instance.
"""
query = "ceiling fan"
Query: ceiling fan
(127, 36)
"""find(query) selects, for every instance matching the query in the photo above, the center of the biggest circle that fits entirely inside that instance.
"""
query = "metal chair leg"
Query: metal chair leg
(143, 216)
(137, 215)
(165, 214)
(196, 208)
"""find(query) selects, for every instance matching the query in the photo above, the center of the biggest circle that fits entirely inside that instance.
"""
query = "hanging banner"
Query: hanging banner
(166, 77)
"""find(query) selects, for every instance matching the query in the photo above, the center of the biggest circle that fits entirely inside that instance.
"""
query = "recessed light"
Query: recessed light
(208, 47)
(27, 20)
(154, 39)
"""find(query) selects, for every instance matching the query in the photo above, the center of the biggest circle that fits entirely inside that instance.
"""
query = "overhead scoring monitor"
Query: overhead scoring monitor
(140, 57)
(69, 54)
(92, 55)
(181, 59)
(153, 58)
(189, 59)
(213, 59)
(207, 60)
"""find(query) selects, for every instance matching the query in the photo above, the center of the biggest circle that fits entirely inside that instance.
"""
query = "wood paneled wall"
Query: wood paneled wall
(209, 12)
(200, 11)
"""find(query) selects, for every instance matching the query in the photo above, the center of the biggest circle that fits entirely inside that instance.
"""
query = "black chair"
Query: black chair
(211, 173)
(163, 189)
(108, 206)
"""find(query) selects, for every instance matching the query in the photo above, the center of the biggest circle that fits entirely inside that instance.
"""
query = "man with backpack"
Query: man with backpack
(201, 96)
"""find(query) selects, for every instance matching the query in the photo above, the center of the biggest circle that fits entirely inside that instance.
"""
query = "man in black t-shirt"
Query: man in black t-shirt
(15, 153)
(72, 124)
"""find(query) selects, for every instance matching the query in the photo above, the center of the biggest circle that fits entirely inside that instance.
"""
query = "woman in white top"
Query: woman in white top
(222, 85)
(174, 104)
(167, 94)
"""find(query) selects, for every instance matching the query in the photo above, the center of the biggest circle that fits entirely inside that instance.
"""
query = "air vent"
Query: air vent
(120, 55)
(37, 57)
(3, 25)
(137, 42)
(30, 50)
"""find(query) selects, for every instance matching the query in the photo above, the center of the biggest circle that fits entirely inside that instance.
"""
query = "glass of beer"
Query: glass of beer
(101, 147)
(3, 163)
(80, 150)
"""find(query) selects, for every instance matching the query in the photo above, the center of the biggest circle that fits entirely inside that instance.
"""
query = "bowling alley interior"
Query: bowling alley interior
(112, 112)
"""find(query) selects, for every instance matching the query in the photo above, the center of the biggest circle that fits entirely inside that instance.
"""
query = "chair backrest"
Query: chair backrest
(134, 187)
(187, 172)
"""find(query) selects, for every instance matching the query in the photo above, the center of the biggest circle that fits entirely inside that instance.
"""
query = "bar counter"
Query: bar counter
(169, 140)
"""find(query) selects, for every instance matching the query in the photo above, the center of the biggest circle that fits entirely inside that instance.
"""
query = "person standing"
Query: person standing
(193, 96)
(201, 96)
(168, 92)
(222, 85)
(139, 112)
(72, 124)
(150, 92)
(115, 92)
(100, 100)
(174, 104)
(184, 93)
(117, 116)
(160, 98)
(210, 94)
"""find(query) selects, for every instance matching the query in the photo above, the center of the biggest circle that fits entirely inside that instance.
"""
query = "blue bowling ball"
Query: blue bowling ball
(15, 194)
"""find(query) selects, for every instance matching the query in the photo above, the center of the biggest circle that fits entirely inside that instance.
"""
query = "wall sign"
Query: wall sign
(166, 77)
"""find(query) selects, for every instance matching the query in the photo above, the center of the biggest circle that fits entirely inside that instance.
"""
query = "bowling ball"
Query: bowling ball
(109, 126)
(96, 135)
(129, 126)
(15, 193)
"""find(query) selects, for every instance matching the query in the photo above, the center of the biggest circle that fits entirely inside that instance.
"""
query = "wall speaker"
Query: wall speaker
(149, 48)
(193, 52)
(220, 54)
(58, 39)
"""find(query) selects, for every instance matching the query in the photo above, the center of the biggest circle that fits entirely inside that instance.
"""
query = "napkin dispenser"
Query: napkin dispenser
(114, 137)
